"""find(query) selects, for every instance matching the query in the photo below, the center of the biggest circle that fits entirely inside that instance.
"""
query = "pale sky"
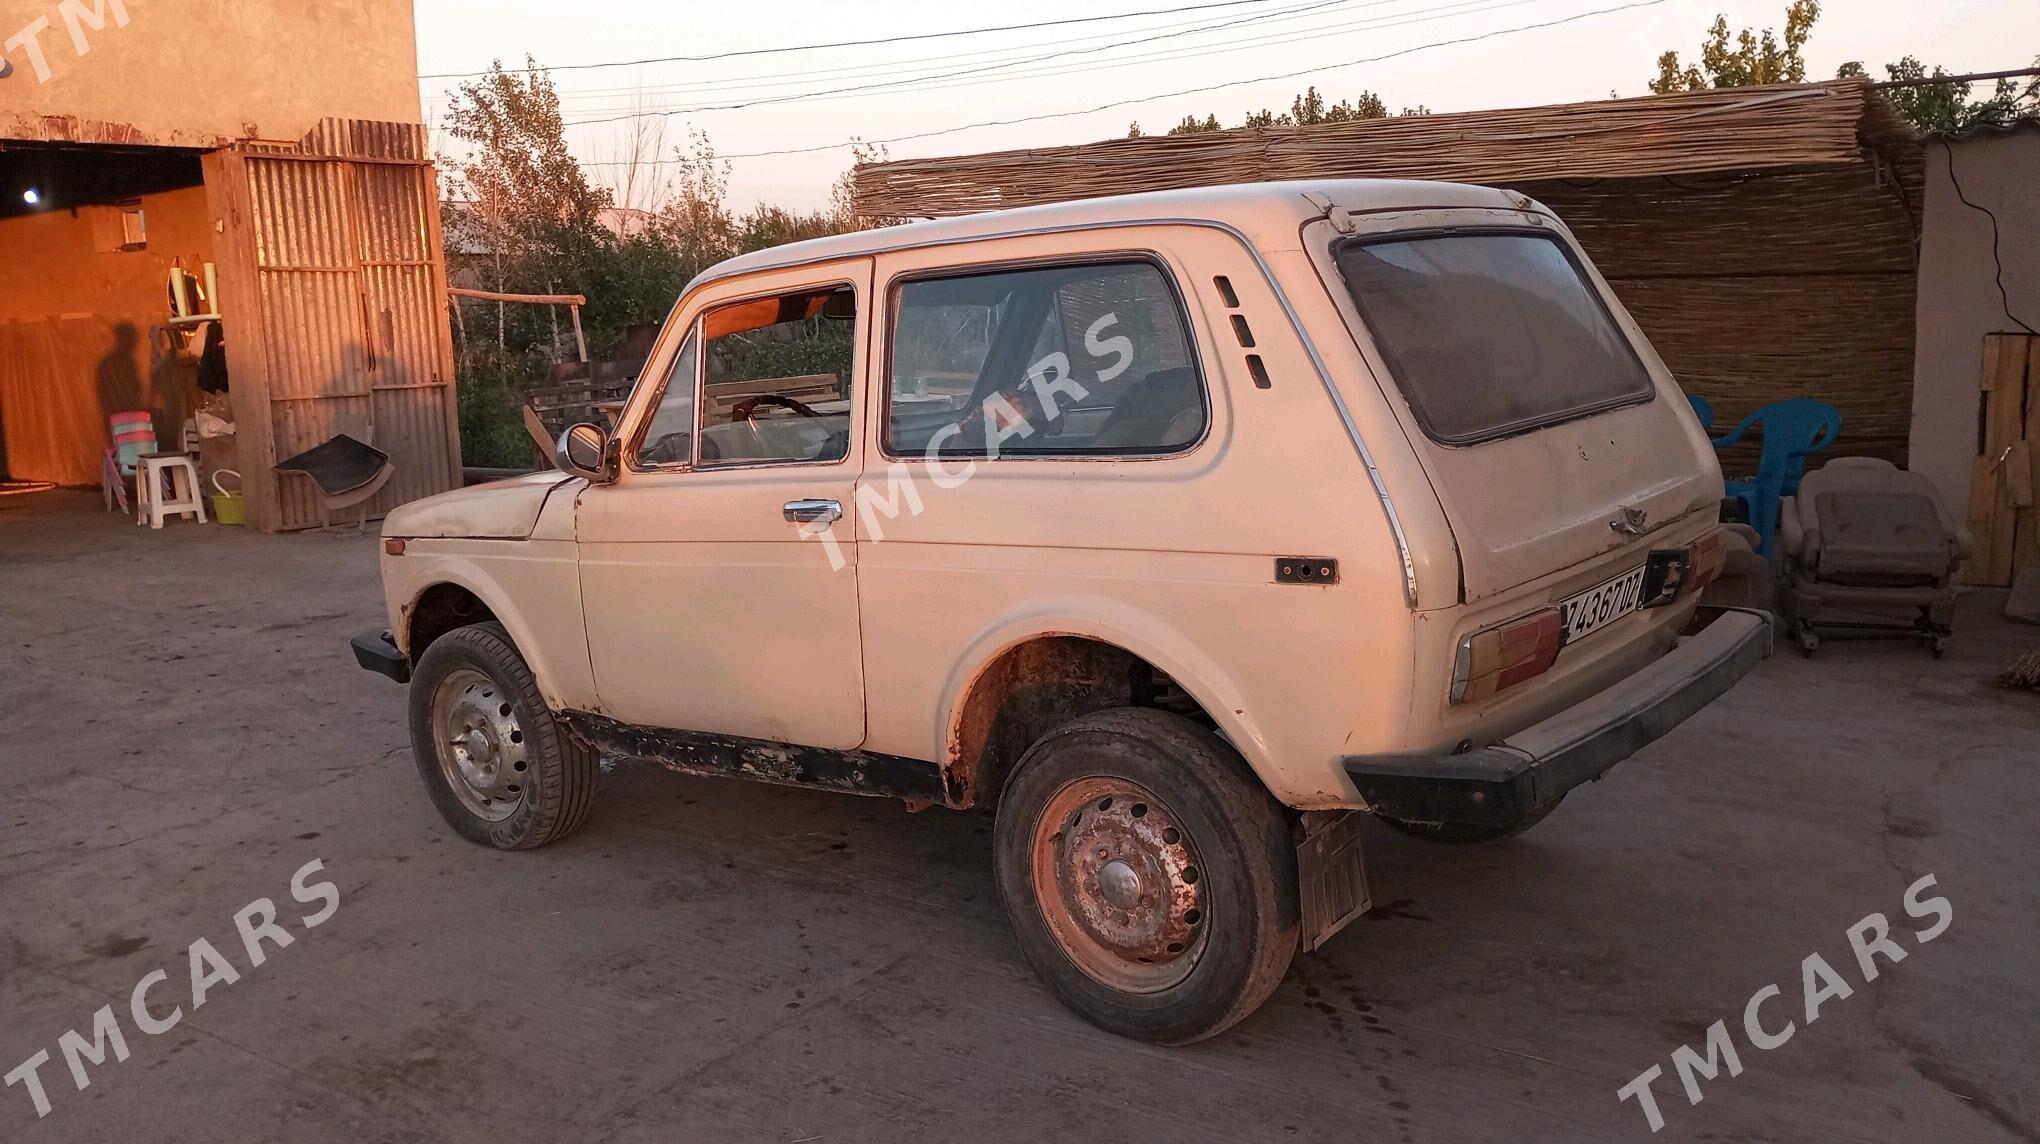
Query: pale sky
(1013, 74)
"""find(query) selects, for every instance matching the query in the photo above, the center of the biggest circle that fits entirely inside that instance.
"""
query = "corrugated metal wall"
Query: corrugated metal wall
(343, 253)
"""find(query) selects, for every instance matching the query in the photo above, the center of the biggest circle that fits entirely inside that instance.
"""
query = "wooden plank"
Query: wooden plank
(537, 299)
(442, 330)
(1993, 513)
(2025, 473)
(230, 203)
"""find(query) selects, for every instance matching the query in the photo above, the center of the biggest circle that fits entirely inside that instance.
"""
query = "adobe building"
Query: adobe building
(254, 174)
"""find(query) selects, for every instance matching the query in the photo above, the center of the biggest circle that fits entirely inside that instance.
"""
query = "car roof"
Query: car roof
(1269, 214)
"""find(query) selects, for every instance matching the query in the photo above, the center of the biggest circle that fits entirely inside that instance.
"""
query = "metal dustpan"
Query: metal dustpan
(340, 465)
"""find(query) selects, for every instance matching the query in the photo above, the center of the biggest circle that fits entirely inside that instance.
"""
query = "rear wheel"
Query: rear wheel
(500, 768)
(1149, 877)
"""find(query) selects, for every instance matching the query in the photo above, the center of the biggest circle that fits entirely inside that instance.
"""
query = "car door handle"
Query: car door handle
(809, 511)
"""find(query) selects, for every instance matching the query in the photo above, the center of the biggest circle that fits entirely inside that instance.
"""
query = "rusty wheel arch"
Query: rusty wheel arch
(1033, 687)
(439, 609)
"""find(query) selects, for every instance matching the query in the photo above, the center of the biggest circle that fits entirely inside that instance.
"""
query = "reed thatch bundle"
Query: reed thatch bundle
(1784, 127)
(1762, 236)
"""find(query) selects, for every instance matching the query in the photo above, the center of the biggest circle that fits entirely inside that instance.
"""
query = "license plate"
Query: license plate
(1597, 607)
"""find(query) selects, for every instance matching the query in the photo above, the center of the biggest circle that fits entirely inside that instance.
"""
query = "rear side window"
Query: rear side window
(1490, 333)
(1091, 359)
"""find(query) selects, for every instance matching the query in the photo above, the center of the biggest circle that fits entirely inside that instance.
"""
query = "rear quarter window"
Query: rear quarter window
(1490, 333)
(976, 356)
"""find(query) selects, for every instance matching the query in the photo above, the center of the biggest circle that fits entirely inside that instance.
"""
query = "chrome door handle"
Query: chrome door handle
(809, 511)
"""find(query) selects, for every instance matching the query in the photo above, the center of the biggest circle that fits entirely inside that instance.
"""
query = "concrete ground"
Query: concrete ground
(181, 728)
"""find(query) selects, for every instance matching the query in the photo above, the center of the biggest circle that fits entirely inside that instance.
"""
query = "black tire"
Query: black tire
(556, 770)
(1461, 834)
(1244, 870)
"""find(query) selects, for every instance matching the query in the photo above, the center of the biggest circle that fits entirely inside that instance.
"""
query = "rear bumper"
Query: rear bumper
(1500, 784)
(377, 652)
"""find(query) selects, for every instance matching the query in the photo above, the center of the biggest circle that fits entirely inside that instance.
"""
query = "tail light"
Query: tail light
(1506, 654)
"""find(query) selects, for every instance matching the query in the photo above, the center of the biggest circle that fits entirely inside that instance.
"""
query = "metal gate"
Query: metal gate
(333, 288)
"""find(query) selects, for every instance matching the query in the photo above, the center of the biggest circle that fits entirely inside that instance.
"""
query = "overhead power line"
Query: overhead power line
(918, 135)
(1170, 55)
(916, 68)
(1972, 77)
(979, 76)
(975, 70)
(1171, 11)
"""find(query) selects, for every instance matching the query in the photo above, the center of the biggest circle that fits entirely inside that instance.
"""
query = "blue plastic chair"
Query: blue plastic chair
(1794, 429)
(1703, 411)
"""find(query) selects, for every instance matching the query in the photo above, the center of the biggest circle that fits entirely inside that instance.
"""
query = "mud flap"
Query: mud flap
(1331, 875)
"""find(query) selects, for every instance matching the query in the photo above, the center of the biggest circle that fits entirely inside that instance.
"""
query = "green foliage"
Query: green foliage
(790, 349)
(493, 382)
(544, 228)
(1751, 57)
(1940, 107)
(1306, 109)
(1762, 57)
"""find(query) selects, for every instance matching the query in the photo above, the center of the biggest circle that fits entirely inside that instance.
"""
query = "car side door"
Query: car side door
(720, 587)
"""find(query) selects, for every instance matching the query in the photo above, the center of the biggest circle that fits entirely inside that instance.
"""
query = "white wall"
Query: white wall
(1959, 301)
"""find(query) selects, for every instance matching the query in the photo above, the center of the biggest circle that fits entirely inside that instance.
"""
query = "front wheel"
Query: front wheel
(1149, 877)
(500, 768)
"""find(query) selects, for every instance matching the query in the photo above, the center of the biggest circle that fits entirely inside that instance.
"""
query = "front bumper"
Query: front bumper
(1500, 784)
(377, 652)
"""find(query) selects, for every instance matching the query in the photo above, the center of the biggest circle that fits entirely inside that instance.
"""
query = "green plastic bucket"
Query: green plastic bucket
(228, 507)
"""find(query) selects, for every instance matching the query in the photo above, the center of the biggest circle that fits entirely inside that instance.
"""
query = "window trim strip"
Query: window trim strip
(1247, 247)
(1046, 262)
(696, 329)
(1514, 428)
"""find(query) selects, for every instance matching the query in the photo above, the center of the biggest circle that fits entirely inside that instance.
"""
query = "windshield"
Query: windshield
(1490, 333)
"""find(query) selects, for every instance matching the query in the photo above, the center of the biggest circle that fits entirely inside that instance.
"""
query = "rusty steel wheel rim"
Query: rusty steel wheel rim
(1117, 879)
(480, 744)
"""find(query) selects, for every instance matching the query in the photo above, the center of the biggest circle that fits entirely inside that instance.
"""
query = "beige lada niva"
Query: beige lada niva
(1178, 529)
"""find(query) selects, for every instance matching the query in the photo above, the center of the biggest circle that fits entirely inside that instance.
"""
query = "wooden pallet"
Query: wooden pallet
(2003, 516)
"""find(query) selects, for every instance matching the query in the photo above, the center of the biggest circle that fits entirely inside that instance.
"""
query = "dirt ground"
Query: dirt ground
(181, 728)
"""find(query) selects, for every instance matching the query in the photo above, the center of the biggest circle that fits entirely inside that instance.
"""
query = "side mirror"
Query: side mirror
(587, 450)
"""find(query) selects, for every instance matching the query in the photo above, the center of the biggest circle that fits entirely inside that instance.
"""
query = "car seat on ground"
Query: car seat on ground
(1869, 550)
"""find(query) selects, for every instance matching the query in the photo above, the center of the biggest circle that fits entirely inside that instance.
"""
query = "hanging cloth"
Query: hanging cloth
(212, 360)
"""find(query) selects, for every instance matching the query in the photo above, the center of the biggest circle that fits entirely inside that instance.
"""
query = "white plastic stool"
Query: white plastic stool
(152, 504)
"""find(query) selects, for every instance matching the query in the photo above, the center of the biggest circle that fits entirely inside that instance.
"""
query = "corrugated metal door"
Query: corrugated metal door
(351, 327)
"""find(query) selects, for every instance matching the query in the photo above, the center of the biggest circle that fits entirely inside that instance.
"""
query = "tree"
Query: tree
(1752, 58)
(527, 199)
(1306, 109)
(1947, 106)
(545, 228)
(522, 182)
(1310, 107)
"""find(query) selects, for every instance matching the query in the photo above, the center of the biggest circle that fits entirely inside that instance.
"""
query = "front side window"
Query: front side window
(1490, 333)
(1092, 359)
(775, 378)
(669, 440)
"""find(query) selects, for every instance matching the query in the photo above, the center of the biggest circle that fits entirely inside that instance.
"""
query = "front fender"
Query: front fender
(533, 588)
